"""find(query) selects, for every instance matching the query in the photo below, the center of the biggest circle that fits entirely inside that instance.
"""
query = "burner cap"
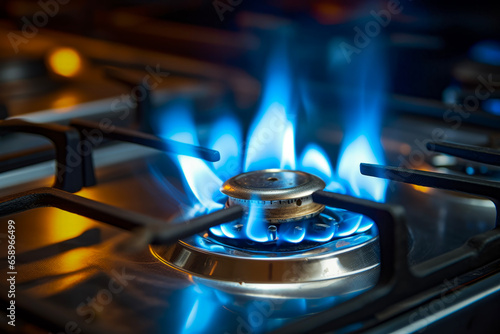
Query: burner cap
(283, 195)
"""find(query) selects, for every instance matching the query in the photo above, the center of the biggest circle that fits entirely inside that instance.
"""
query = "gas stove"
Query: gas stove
(277, 168)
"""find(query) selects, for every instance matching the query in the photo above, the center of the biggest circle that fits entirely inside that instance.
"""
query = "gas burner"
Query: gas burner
(303, 242)
(279, 209)
(280, 213)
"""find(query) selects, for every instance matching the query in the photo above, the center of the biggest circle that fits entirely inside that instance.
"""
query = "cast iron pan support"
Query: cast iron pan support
(85, 128)
(161, 232)
(66, 141)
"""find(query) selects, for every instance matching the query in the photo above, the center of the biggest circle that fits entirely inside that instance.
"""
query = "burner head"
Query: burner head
(283, 195)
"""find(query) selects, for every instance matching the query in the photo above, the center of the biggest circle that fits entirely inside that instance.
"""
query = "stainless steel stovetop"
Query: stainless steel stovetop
(75, 274)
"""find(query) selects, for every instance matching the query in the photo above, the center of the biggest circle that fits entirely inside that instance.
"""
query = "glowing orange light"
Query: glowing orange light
(65, 225)
(405, 149)
(65, 101)
(65, 61)
(426, 168)
(421, 188)
(329, 13)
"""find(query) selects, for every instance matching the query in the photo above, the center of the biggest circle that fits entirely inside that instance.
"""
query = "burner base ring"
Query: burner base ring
(346, 261)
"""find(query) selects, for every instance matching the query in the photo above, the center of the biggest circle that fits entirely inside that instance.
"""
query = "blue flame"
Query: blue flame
(314, 160)
(271, 135)
(350, 223)
(358, 151)
(217, 230)
(226, 137)
(293, 232)
(487, 52)
(177, 124)
(365, 225)
(322, 233)
(271, 144)
(256, 226)
(228, 231)
(288, 150)
(363, 109)
(207, 244)
(199, 307)
(492, 106)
